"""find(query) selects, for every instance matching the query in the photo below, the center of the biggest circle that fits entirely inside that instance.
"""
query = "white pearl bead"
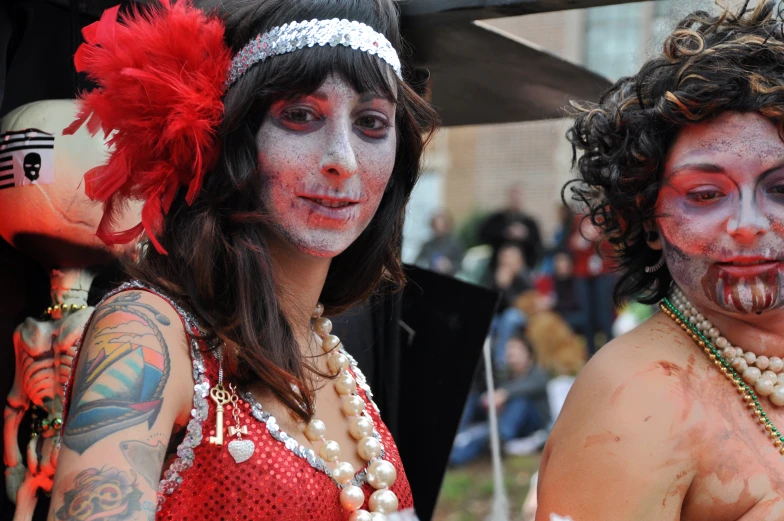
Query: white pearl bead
(762, 362)
(353, 405)
(384, 501)
(345, 384)
(781, 378)
(738, 352)
(315, 430)
(352, 497)
(329, 343)
(750, 357)
(343, 472)
(360, 515)
(740, 364)
(360, 427)
(728, 353)
(368, 448)
(329, 451)
(777, 397)
(319, 310)
(377, 516)
(381, 474)
(712, 331)
(700, 317)
(693, 320)
(337, 362)
(776, 364)
(722, 342)
(770, 375)
(764, 386)
(751, 375)
(322, 326)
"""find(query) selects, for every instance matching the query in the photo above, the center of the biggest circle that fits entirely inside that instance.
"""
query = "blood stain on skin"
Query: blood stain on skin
(676, 488)
(618, 392)
(601, 439)
(668, 367)
(690, 365)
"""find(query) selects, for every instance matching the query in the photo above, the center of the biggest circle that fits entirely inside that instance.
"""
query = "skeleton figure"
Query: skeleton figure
(44, 354)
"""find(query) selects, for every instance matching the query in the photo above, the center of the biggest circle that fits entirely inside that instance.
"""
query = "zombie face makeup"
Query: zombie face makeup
(721, 209)
(326, 159)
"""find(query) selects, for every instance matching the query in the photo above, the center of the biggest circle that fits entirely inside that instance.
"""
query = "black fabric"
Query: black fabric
(444, 324)
(38, 39)
(370, 333)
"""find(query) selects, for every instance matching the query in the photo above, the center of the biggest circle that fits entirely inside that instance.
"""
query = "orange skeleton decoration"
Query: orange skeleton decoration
(41, 196)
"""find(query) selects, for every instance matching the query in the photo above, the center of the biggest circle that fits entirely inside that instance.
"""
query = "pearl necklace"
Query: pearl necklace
(673, 309)
(381, 474)
(764, 373)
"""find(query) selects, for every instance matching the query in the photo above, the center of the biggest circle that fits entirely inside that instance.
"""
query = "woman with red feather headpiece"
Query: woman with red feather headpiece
(274, 145)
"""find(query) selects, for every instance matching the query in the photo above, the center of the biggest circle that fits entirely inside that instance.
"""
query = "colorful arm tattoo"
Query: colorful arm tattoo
(105, 494)
(121, 382)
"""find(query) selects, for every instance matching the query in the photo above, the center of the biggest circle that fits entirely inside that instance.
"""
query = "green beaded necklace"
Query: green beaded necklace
(747, 392)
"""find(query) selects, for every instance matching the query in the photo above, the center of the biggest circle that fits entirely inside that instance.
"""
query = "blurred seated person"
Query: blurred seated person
(511, 225)
(557, 348)
(594, 279)
(520, 400)
(566, 303)
(443, 253)
(560, 238)
(510, 279)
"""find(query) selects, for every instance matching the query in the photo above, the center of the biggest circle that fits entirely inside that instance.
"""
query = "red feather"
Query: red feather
(161, 75)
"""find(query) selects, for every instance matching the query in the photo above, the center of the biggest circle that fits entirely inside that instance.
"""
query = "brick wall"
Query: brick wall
(483, 161)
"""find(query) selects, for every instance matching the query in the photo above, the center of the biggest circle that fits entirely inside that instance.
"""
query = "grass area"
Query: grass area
(467, 492)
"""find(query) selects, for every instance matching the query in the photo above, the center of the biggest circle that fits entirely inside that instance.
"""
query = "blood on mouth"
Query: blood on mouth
(745, 286)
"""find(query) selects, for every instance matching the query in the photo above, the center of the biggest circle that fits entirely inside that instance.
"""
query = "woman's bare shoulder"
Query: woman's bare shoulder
(647, 370)
(143, 312)
(626, 430)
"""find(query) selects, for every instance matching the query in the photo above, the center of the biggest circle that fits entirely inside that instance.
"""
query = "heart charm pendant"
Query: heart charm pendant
(241, 450)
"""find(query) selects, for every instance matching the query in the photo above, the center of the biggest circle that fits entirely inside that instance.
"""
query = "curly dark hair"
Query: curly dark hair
(709, 65)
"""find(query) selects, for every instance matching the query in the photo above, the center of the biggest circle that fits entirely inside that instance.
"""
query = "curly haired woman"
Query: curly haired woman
(682, 168)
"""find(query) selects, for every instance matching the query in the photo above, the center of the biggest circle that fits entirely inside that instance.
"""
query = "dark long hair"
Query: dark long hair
(218, 260)
(733, 61)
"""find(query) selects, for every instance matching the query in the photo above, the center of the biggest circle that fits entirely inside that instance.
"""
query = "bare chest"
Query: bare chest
(740, 475)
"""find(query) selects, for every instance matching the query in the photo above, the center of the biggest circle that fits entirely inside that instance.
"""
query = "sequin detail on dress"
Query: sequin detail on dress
(294, 446)
(205, 484)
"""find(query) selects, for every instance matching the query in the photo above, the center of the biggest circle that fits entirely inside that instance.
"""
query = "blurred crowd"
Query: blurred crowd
(555, 310)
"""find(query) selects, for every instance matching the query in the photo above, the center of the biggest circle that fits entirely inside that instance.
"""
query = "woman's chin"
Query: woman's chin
(317, 245)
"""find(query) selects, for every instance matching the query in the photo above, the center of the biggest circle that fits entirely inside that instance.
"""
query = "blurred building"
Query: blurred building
(470, 167)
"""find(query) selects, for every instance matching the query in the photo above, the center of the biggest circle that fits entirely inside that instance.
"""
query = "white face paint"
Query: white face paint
(722, 213)
(326, 159)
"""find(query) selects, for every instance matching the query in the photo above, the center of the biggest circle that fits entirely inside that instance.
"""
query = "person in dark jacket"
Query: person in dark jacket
(511, 225)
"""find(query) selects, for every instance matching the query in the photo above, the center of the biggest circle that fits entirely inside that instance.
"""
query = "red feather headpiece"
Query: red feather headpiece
(161, 76)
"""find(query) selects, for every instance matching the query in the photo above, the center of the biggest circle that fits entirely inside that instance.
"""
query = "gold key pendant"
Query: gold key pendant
(221, 397)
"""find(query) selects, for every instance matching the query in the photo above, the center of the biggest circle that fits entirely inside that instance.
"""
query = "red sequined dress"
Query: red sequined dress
(282, 480)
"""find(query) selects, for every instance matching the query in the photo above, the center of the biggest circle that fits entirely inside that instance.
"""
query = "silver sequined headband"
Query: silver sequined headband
(298, 35)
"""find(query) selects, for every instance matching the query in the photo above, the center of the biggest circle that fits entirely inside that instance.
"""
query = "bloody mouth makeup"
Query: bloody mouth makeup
(721, 213)
(744, 287)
